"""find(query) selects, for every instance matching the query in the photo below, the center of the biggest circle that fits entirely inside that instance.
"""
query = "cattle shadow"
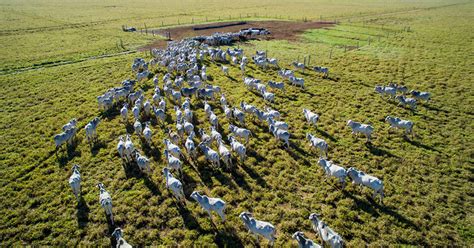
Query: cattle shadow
(239, 179)
(326, 135)
(434, 108)
(151, 186)
(96, 146)
(189, 220)
(129, 128)
(82, 213)
(110, 113)
(131, 169)
(228, 238)
(258, 157)
(189, 183)
(372, 206)
(379, 151)
(254, 175)
(69, 153)
(294, 154)
(418, 144)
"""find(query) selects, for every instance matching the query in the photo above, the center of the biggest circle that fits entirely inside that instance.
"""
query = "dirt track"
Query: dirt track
(281, 30)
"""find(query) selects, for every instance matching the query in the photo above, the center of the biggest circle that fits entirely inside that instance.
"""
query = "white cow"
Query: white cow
(173, 162)
(405, 101)
(124, 112)
(136, 112)
(311, 117)
(175, 185)
(281, 135)
(121, 147)
(172, 148)
(304, 242)
(147, 133)
(106, 201)
(420, 95)
(225, 70)
(121, 243)
(190, 146)
(129, 148)
(224, 153)
(360, 128)
(142, 162)
(318, 143)
(239, 115)
(138, 127)
(333, 170)
(75, 181)
(383, 90)
(240, 132)
(258, 227)
(91, 129)
(297, 81)
(211, 155)
(210, 204)
(238, 148)
(326, 233)
(396, 122)
(360, 178)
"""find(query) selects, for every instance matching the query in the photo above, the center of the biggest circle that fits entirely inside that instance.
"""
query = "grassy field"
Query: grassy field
(428, 179)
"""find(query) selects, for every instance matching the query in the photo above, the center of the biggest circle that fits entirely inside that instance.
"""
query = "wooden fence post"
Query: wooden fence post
(309, 60)
(146, 30)
(330, 52)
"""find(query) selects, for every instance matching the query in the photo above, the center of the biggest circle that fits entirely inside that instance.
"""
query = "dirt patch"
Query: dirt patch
(280, 30)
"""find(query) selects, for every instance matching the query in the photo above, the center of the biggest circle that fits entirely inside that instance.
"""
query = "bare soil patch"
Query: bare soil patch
(280, 30)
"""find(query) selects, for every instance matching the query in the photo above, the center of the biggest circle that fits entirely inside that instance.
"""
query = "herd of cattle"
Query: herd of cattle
(225, 39)
(182, 62)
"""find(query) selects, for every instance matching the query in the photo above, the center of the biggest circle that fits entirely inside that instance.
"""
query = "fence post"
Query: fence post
(146, 29)
(162, 23)
(309, 60)
(330, 52)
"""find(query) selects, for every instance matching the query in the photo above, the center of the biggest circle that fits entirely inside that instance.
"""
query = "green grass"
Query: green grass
(428, 180)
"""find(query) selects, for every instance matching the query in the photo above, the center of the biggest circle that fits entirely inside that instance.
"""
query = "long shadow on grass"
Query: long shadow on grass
(434, 108)
(82, 213)
(189, 183)
(418, 144)
(110, 113)
(299, 154)
(326, 135)
(96, 146)
(228, 238)
(372, 206)
(189, 221)
(379, 151)
(70, 153)
(254, 175)
(151, 186)
(239, 179)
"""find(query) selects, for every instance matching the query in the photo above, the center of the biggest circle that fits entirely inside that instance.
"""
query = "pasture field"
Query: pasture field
(428, 179)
